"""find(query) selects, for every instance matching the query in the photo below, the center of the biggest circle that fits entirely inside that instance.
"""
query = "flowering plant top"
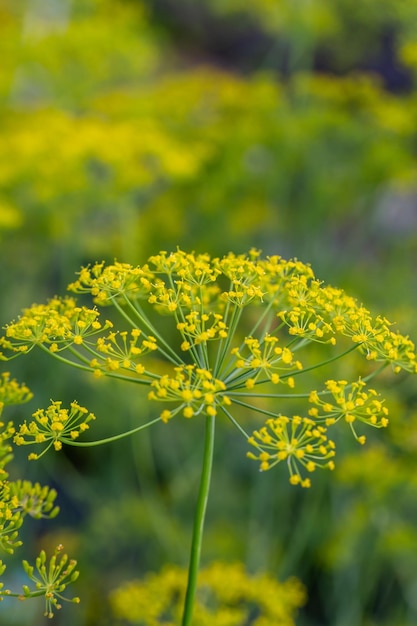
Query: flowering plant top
(236, 330)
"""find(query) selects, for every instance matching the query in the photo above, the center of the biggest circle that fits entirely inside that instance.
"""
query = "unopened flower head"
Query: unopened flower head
(51, 577)
(238, 333)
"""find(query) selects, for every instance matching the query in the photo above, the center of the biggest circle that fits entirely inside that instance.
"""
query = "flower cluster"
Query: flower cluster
(350, 402)
(194, 388)
(11, 392)
(18, 499)
(192, 269)
(6, 432)
(11, 519)
(54, 426)
(234, 330)
(266, 357)
(298, 441)
(106, 283)
(121, 350)
(56, 325)
(201, 327)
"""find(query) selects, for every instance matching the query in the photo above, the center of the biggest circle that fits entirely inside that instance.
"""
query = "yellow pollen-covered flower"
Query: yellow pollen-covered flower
(209, 335)
(352, 402)
(193, 389)
(54, 426)
(295, 441)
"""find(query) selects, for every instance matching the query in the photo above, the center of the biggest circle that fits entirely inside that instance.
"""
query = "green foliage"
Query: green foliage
(323, 30)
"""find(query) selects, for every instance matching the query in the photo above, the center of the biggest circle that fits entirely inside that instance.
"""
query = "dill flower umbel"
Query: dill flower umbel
(299, 441)
(352, 403)
(54, 426)
(241, 335)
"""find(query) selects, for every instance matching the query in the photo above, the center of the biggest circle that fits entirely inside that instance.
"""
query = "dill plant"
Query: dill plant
(20, 499)
(241, 333)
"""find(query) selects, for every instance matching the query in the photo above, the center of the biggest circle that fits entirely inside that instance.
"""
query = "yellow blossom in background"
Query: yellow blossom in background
(226, 596)
(12, 392)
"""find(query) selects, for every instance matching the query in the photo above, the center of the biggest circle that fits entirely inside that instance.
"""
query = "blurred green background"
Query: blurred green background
(132, 126)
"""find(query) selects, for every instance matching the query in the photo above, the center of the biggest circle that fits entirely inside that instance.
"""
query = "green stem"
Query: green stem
(99, 442)
(32, 594)
(168, 352)
(232, 419)
(224, 344)
(87, 368)
(199, 521)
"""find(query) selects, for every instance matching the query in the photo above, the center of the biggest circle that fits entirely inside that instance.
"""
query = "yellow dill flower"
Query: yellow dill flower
(57, 324)
(106, 283)
(352, 402)
(6, 432)
(305, 322)
(266, 357)
(122, 350)
(54, 426)
(233, 330)
(199, 328)
(298, 441)
(191, 268)
(192, 389)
